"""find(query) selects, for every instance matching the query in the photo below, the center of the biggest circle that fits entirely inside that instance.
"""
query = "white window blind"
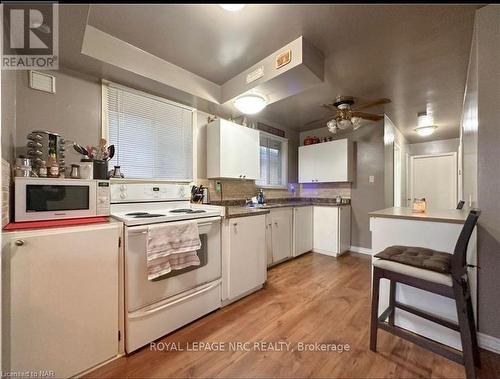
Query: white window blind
(153, 137)
(273, 158)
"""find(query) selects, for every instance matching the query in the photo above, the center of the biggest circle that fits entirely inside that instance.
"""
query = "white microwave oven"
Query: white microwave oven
(39, 199)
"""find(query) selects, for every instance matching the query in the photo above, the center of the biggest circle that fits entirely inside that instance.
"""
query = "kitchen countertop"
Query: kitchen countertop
(242, 211)
(454, 216)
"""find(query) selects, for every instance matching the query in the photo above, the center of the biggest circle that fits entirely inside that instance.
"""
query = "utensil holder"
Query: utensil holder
(100, 169)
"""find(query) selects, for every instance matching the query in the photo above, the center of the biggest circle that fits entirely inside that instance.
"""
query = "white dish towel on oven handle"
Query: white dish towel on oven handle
(172, 246)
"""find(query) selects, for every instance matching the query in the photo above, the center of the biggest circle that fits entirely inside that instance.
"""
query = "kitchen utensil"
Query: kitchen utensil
(80, 149)
(111, 152)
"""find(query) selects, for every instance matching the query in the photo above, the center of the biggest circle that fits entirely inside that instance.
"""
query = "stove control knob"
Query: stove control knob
(123, 187)
(123, 195)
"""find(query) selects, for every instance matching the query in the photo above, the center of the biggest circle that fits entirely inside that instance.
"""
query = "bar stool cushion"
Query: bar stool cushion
(419, 257)
(420, 273)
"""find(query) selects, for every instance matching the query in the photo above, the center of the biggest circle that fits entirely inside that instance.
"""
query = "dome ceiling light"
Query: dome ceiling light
(425, 124)
(250, 103)
(232, 7)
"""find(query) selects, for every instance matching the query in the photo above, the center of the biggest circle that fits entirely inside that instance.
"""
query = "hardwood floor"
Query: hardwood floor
(311, 299)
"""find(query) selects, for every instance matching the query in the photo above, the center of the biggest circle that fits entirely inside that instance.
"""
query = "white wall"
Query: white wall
(435, 147)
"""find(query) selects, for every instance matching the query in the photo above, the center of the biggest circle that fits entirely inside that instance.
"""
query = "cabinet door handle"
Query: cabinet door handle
(276, 224)
(19, 242)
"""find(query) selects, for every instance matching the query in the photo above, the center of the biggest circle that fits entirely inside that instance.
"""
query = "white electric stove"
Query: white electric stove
(157, 307)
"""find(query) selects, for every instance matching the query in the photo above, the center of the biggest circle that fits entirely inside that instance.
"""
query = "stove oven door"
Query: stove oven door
(141, 292)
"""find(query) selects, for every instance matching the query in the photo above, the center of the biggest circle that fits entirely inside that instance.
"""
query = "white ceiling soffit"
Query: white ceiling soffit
(112, 50)
(304, 70)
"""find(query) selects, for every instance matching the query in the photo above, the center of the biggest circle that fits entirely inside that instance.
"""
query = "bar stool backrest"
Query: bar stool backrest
(459, 260)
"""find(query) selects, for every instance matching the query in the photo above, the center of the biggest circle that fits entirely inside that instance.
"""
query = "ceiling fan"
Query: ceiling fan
(347, 115)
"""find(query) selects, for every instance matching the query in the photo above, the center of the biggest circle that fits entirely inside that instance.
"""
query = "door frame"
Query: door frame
(397, 152)
(455, 170)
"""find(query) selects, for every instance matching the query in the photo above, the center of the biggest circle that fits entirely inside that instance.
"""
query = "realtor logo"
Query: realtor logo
(30, 36)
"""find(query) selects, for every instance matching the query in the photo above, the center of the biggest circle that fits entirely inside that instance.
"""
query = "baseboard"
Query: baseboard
(488, 342)
(361, 250)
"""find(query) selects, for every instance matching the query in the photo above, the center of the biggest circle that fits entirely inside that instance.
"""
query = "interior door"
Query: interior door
(282, 234)
(303, 230)
(63, 300)
(434, 177)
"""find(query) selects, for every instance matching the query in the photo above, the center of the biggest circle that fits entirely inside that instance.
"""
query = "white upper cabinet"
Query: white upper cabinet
(232, 151)
(326, 162)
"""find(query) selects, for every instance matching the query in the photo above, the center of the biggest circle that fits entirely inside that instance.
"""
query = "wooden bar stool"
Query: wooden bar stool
(433, 271)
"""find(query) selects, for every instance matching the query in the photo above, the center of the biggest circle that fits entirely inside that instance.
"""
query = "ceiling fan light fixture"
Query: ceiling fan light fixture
(344, 124)
(425, 131)
(356, 122)
(332, 126)
(232, 7)
(250, 103)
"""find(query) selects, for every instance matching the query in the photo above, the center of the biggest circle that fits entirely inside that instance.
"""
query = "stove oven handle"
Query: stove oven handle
(158, 307)
(206, 222)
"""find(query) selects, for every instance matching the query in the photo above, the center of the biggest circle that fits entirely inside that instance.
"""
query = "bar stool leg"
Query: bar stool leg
(374, 312)
(392, 301)
(472, 327)
(465, 329)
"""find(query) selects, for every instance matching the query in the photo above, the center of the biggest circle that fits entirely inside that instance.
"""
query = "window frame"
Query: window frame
(284, 162)
(105, 84)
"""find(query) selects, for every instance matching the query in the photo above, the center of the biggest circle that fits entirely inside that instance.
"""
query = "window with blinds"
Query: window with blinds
(153, 137)
(273, 161)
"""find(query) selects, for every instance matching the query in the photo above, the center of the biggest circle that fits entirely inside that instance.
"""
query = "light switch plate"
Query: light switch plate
(371, 179)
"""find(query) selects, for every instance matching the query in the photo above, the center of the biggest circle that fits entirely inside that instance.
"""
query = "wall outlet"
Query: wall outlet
(371, 179)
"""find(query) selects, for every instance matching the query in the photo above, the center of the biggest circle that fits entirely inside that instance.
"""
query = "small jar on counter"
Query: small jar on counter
(42, 170)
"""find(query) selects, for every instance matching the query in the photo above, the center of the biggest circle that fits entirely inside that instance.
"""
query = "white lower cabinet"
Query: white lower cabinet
(332, 230)
(302, 230)
(280, 231)
(245, 265)
(62, 312)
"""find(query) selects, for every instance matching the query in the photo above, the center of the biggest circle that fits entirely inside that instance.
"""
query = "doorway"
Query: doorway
(434, 177)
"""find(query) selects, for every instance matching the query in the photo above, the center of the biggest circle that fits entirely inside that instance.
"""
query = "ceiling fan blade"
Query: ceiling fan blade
(368, 116)
(324, 119)
(330, 107)
(371, 104)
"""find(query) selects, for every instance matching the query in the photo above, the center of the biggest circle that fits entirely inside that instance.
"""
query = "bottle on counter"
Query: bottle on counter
(42, 170)
(52, 166)
(260, 197)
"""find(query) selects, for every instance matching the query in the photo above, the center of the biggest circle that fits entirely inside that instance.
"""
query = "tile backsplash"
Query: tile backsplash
(244, 189)
(325, 190)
